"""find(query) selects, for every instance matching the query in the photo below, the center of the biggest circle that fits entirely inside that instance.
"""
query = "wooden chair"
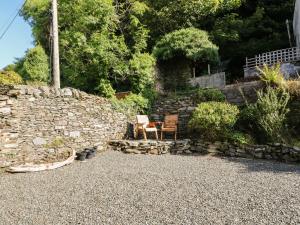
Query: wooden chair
(144, 125)
(170, 125)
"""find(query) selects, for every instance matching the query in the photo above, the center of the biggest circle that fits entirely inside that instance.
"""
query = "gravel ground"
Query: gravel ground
(115, 188)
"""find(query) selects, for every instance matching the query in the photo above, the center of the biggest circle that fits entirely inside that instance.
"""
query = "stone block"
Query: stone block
(74, 134)
(5, 110)
(39, 141)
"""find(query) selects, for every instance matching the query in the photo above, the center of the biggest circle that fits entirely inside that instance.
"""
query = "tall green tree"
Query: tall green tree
(256, 27)
(98, 38)
(166, 16)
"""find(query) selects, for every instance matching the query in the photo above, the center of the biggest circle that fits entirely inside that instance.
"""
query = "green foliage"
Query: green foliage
(272, 76)
(56, 143)
(208, 95)
(213, 120)
(166, 16)
(105, 89)
(10, 77)
(132, 104)
(10, 67)
(268, 115)
(192, 43)
(35, 65)
(257, 26)
(142, 72)
(293, 87)
(99, 40)
(239, 138)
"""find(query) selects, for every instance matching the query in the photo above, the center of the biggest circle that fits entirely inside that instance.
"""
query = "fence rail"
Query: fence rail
(287, 55)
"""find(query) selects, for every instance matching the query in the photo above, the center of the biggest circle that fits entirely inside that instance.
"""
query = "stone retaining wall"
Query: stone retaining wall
(184, 106)
(277, 152)
(36, 120)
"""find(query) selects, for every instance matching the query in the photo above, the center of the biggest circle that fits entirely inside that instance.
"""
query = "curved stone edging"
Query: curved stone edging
(29, 167)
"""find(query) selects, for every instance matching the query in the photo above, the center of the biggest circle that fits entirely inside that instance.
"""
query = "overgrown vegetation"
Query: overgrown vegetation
(34, 66)
(132, 104)
(10, 77)
(214, 120)
(267, 117)
(272, 76)
(208, 95)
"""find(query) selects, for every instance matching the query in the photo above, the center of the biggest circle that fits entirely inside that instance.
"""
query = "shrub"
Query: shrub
(269, 113)
(272, 76)
(246, 120)
(105, 89)
(35, 65)
(214, 119)
(191, 43)
(239, 138)
(208, 95)
(10, 77)
(137, 102)
(142, 74)
(132, 104)
(293, 87)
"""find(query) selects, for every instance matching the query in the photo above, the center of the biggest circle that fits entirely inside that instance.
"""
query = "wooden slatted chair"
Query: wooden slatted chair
(144, 125)
(170, 125)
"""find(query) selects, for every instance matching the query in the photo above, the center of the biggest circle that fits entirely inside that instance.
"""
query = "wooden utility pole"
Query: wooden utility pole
(55, 60)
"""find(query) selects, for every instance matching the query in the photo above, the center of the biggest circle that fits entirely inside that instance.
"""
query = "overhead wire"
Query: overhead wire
(12, 21)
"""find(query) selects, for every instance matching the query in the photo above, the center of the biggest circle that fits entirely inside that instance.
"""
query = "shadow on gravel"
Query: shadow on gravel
(265, 166)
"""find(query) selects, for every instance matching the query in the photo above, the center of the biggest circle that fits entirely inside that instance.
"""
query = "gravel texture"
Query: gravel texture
(115, 188)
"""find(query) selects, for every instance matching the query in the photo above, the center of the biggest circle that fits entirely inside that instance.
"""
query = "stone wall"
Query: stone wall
(279, 152)
(217, 80)
(184, 106)
(241, 93)
(36, 120)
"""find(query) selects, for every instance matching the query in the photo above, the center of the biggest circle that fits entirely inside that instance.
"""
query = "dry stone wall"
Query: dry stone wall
(37, 120)
(278, 152)
(184, 106)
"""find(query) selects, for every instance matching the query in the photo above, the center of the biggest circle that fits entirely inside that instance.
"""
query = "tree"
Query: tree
(191, 43)
(180, 50)
(98, 39)
(166, 16)
(35, 65)
(257, 26)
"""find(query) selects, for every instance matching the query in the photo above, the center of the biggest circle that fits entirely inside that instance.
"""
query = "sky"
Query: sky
(18, 38)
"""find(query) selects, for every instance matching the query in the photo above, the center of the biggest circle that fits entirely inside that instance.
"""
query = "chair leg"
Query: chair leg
(145, 135)
(156, 135)
(161, 135)
(175, 135)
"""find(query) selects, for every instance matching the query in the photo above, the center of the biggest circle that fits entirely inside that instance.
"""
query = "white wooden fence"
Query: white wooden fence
(287, 55)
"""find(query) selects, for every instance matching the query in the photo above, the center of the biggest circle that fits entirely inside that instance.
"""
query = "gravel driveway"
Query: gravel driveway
(115, 188)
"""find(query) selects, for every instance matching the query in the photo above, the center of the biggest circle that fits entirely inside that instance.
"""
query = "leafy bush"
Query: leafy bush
(10, 77)
(214, 119)
(239, 138)
(272, 76)
(192, 43)
(208, 95)
(132, 104)
(137, 102)
(35, 65)
(269, 113)
(142, 72)
(105, 89)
